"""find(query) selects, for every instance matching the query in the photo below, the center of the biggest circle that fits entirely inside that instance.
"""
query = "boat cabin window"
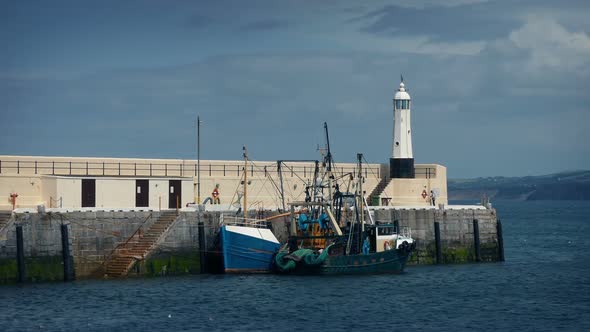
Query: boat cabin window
(385, 231)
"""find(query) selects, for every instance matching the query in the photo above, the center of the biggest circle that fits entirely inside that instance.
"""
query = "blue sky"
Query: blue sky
(498, 87)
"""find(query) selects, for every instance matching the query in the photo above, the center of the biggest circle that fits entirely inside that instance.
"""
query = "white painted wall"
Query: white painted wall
(115, 193)
(28, 189)
(187, 193)
(70, 190)
(49, 192)
(158, 193)
(402, 135)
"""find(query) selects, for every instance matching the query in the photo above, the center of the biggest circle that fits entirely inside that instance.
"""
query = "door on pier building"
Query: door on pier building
(142, 194)
(88, 192)
(175, 194)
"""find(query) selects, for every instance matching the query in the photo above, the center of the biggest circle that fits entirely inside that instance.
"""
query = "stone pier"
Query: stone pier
(93, 235)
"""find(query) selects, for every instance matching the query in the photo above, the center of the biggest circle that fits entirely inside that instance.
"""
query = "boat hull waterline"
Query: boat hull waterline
(248, 249)
(390, 261)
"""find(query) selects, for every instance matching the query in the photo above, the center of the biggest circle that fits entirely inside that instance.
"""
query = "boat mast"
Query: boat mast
(245, 182)
(279, 162)
(328, 162)
(360, 186)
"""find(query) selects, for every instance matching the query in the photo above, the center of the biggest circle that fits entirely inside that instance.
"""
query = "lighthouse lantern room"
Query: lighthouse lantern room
(401, 165)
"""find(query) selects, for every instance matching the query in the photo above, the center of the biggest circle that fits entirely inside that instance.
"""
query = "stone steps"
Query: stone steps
(123, 260)
(379, 189)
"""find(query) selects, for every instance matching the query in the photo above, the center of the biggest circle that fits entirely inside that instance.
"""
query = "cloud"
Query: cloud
(551, 46)
(268, 24)
(444, 24)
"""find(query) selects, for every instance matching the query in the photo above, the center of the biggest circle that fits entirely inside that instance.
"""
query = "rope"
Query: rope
(371, 169)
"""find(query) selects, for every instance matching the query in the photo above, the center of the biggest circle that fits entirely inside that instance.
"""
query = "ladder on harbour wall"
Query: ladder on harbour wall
(123, 258)
(4, 220)
(379, 189)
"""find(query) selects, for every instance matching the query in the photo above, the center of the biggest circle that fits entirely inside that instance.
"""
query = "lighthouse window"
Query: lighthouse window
(398, 104)
(404, 104)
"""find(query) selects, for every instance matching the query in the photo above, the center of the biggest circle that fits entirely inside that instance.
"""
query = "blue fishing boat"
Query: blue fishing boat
(247, 247)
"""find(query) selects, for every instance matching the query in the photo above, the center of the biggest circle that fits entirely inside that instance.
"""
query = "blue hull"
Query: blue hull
(246, 254)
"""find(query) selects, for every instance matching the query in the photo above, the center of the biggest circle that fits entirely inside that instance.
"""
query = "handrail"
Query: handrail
(405, 231)
(241, 221)
(425, 172)
(127, 241)
(95, 168)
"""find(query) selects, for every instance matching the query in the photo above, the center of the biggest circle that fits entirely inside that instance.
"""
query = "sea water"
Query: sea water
(543, 285)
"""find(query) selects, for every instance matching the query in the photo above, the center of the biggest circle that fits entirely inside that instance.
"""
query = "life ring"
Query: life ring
(386, 245)
(424, 193)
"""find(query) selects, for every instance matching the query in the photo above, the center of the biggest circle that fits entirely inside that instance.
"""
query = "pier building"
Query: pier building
(124, 183)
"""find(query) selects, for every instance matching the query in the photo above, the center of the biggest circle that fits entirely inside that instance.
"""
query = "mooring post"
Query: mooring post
(202, 245)
(438, 243)
(20, 254)
(67, 258)
(476, 240)
(500, 241)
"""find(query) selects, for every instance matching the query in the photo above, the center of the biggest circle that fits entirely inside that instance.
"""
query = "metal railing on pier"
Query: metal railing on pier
(171, 169)
(422, 172)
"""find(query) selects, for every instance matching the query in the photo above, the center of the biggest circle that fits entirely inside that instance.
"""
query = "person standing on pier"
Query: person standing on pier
(215, 195)
(433, 197)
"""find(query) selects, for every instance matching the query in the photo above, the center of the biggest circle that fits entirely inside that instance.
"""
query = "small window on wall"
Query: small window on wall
(398, 104)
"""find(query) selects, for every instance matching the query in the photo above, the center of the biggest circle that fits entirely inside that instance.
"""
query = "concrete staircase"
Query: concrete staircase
(379, 189)
(138, 247)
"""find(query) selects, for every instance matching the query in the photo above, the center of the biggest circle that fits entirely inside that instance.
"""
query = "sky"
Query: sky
(499, 88)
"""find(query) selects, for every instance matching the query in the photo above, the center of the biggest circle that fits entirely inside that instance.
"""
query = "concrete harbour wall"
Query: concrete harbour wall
(93, 235)
(92, 238)
(456, 232)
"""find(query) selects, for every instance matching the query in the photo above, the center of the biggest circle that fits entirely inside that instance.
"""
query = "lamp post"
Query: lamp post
(198, 160)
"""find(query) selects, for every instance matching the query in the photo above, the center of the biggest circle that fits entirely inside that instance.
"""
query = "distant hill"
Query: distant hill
(560, 186)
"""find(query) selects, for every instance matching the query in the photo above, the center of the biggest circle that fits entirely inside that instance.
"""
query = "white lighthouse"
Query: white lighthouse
(401, 165)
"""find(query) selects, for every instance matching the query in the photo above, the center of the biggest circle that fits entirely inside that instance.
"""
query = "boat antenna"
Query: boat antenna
(245, 181)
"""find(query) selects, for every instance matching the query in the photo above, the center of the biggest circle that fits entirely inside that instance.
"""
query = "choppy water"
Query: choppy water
(544, 285)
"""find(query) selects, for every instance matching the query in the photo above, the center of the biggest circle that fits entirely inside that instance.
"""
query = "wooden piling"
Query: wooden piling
(476, 243)
(500, 241)
(438, 242)
(20, 254)
(202, 246)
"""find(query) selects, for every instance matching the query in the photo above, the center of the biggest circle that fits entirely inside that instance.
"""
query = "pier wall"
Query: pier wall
(456, 232)
(93, 235)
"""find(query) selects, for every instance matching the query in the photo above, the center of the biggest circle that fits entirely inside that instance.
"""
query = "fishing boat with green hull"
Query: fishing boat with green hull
(333, 259)
(319, 245)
